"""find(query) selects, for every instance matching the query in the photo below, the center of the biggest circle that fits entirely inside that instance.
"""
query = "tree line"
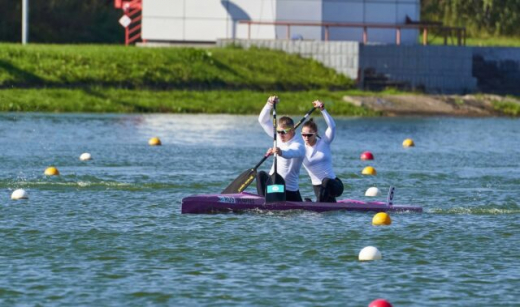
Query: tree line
(96, 21)
(62, 21)
(480, 17)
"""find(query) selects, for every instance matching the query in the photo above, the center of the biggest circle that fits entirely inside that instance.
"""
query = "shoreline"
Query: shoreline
(482, 105)
(246, 102)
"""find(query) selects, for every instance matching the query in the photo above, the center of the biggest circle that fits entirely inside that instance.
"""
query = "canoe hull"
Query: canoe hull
(215, 203)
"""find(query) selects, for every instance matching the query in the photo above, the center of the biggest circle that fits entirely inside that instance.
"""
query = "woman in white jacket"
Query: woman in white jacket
(318, 158)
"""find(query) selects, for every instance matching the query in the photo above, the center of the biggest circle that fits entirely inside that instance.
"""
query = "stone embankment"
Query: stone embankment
(432, 105)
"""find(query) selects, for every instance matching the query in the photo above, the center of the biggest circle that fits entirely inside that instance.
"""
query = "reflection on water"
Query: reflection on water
(201, 129)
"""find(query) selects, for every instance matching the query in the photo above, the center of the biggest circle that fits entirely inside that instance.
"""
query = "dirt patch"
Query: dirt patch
(430, 105)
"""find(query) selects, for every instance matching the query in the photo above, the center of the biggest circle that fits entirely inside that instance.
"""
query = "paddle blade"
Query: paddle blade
(241, 182)
(275, 189)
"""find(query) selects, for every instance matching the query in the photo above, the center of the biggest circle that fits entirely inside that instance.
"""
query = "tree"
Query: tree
(480, 17)
(63, 21)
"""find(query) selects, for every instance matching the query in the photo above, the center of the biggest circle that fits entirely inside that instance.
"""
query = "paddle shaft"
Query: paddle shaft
(304, 117)
(261, 161)
(275, 124)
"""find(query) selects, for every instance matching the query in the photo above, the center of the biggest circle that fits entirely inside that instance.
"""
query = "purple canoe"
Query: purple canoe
(213, 203)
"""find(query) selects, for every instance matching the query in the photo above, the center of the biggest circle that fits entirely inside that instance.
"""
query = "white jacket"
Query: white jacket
(293, 152)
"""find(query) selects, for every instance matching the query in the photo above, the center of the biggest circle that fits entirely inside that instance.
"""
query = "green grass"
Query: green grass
(510, 108)
(93, 78)
(67, 66)
(173, 101)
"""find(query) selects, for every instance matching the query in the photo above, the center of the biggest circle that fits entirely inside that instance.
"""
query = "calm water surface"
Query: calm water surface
(109, 232)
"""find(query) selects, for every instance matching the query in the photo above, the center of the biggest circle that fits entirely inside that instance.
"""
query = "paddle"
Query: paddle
(275, 186)
(244, 180)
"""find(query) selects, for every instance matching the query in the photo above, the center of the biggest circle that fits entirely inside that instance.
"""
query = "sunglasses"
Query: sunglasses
(284, 131)
(308, 135)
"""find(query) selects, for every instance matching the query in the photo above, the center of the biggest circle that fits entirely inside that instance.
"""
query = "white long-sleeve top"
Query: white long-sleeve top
(318, 158)
(293, 152)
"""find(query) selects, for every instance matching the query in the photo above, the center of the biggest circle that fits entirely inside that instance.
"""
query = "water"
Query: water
(109, 232)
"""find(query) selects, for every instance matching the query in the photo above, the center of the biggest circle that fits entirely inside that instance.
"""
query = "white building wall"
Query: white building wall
(302, 11)
(257, 10)
(209, 20)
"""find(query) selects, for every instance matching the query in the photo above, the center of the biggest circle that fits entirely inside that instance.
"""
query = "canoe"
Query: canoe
(215, 203)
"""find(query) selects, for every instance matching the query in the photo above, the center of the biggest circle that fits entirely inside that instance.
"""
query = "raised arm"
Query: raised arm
(265, 116)
(330, 132)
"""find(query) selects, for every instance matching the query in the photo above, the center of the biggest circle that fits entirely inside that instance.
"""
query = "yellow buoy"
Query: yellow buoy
(52, 171)
(154, 141)
(369, 170)
(408, 143)
(381, 218)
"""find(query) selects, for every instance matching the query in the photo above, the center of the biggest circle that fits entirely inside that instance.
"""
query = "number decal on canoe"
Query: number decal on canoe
(227, 200)
(234, 200)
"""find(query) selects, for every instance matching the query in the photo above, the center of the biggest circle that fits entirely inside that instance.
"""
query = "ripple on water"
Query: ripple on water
(110, 232)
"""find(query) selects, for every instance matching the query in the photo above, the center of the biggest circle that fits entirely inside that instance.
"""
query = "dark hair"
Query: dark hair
(286, 121)
(311, 124)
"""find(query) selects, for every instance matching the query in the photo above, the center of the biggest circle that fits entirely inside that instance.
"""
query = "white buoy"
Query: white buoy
(369, 253)
(372, 191)
(85, 156)
(19, 194)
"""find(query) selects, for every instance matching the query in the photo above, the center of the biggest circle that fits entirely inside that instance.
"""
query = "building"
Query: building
(206, 21)
(377, 43)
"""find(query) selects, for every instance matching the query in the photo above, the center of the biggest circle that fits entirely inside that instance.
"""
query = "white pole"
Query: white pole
(25, 21)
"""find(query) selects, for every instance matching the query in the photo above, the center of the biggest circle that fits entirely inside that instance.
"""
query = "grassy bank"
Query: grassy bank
(56, 78)
(171, 101)
(66, 66)
(509, 107)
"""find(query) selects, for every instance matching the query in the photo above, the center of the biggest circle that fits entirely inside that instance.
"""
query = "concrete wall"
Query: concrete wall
(437, 69)
(497, 69)
(209, 20)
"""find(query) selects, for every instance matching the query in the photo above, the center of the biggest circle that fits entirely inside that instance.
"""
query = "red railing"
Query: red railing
(460, 32)
(132, 9)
